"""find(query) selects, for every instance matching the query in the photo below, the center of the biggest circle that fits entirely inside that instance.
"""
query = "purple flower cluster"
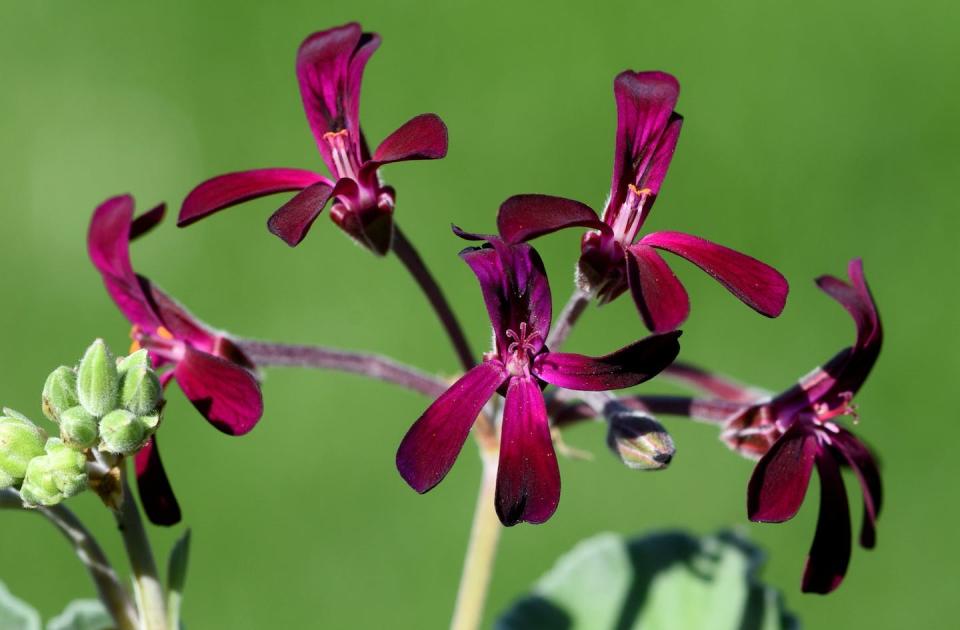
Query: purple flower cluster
(509, 388)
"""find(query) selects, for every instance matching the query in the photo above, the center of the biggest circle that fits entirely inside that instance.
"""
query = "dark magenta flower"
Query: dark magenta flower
(612, 257)
(517, 297)
(797, 430)
(212, 371)
(329, 69)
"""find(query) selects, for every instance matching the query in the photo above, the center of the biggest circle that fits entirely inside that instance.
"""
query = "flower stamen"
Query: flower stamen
(344, 160)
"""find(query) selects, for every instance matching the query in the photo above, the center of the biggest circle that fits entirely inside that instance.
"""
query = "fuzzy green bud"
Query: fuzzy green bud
(78, 428)
(122, 432)
(639, 441)
(20, 442)
(56, 476)
(138, 359)
(140, 392)
(59, 393)
(97, 380)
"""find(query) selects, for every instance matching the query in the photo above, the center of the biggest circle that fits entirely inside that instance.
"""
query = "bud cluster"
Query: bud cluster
(109, 404)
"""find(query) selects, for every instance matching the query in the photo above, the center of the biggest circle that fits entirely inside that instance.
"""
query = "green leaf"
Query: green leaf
(665, 581)
(176, 577)
(16, 613)
(82, 614)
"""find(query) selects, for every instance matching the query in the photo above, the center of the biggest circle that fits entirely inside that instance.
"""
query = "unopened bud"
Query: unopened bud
(56, 476)
(138, 359)
(122, 432)
(639, 441)
(97, 380)
(78, 428)
(20, 442)
(59, 393)
(140, 391)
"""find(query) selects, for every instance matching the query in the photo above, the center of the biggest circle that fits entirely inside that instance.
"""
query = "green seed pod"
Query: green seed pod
(20, 442)
(639, 441)
(58, 475)
(59, 393)
(97, 380)
(78, 428)
(140, 392)
(122, 432)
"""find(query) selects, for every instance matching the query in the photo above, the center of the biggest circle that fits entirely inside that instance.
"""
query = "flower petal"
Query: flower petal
(147, 221)
(758, 285)
(233, 188)
(177, 319)
(657, 293)
(227, 395)
(628, 366)
(525, 217)
(781, 477)
(830, 553)
(515, 289)
(528, 478)
(108, 244)
(432, 444)
(645, 103)
(423, 137)
(156, 493)
(865, 466)
(293, 220)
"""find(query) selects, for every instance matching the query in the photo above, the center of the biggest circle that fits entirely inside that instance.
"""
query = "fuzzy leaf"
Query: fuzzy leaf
(16, 613)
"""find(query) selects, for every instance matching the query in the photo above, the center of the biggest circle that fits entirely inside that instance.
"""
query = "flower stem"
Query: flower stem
(589, 405)
(146, 580)
(712, 383)
(411, 260)
(568, 317)
(266, 353)
(109, 590)
(481, 551)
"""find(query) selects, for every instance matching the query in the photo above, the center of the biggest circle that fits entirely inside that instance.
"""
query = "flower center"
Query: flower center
(521, 350)
(825, 415)
(341, 152)
(161, 344)
(632, 214)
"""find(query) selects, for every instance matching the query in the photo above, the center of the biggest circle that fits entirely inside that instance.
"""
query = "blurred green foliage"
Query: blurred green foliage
(814, 132)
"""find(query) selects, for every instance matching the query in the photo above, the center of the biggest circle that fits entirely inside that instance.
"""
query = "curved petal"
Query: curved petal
(528, 478)
(177, 319)
(233, 188)
(147, 221)
(830, 553)
(782, 476)
(156, 493)
(432, 444)
(108, 244)
(657, 293)
(227, 395)
(423, 137)
(628, 366)
(645, 103)
(515, 289)
(756, 284)
(865, 466)
(293, 220)
(525, 217)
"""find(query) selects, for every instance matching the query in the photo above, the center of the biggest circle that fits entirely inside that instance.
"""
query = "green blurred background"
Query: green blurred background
(814, 132)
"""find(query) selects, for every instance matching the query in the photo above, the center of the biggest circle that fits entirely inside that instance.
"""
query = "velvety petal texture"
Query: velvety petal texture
(657, 293)
(830, 552)
(156, 493)
(862, 462)
(421, 138)
(227, 395)
(528, 477)
(781, 477)
(759, 286)
(293, 220)
(432, 444)
(629, 366)
(233, 188)
(525, 217)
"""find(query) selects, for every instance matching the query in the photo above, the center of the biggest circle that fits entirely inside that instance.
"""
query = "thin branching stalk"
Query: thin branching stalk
(415, 265)
(567, 319)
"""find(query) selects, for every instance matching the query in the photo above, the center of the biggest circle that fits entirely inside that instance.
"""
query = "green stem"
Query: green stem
(481, 551)
(146, 580)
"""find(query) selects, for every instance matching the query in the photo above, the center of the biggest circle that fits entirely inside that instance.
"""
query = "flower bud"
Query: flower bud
(639, 441)
(97, 380)
(140, 391)
(122, 432)
(138, 359)
(20, 442)
(78, 428)
(59, 393)
(58, 475)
